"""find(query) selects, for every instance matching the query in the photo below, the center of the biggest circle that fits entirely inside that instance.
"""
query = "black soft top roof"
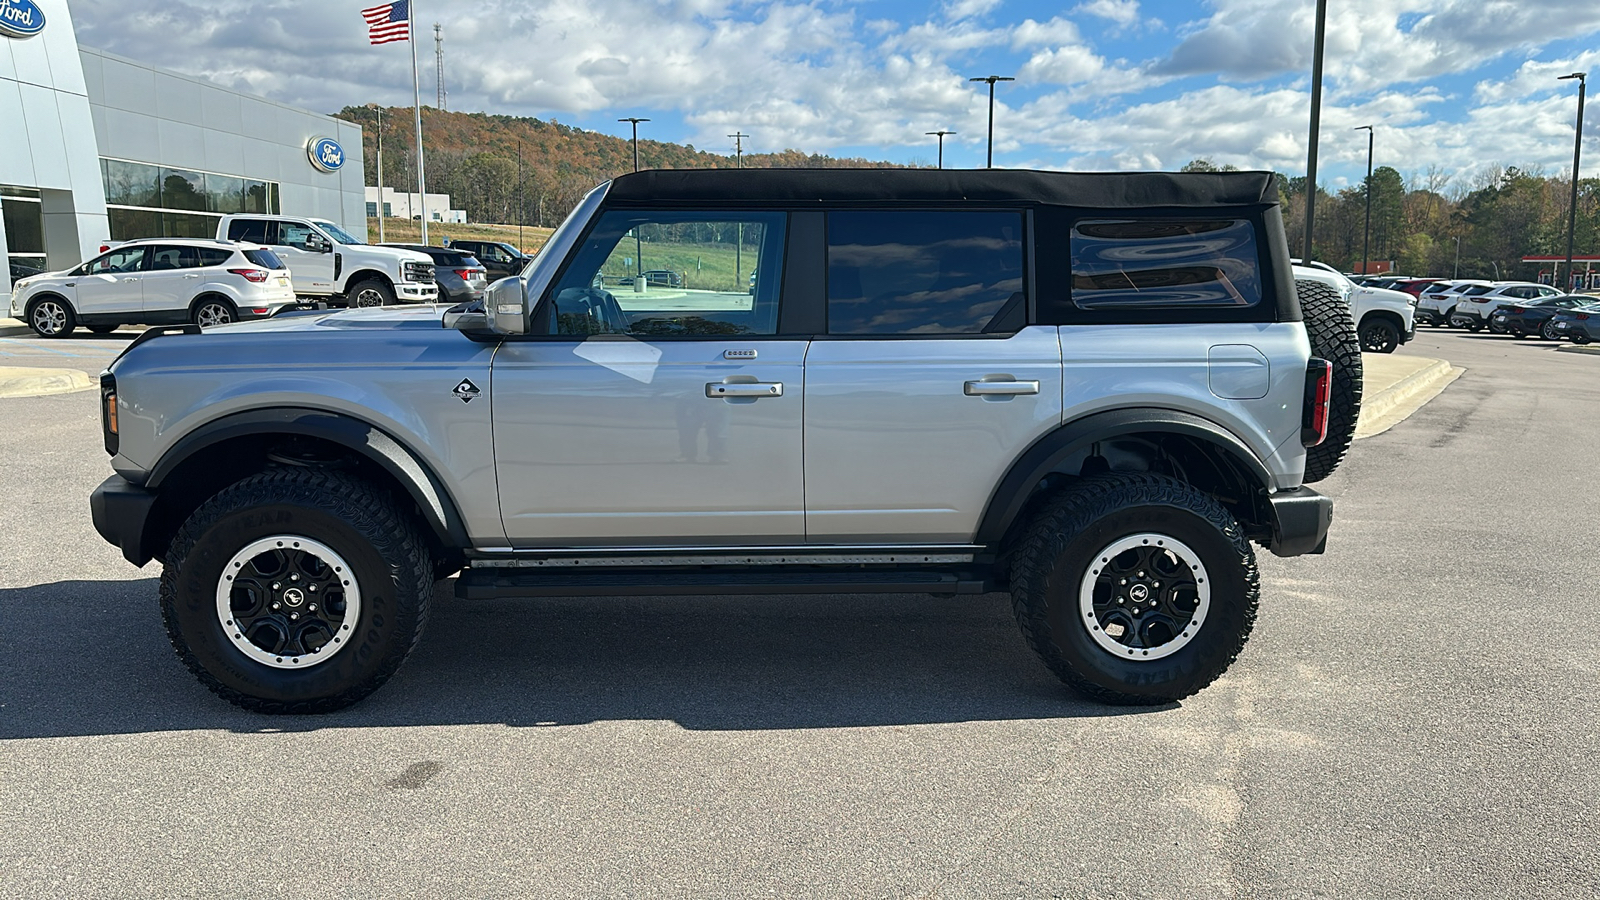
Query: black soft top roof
(1105, 190)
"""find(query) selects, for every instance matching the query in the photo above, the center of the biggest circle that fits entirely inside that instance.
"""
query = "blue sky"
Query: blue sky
(1455, 87)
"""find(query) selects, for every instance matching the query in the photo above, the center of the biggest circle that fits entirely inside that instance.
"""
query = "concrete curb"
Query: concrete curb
(1579, 348)
(1393, 404)
(17, 381)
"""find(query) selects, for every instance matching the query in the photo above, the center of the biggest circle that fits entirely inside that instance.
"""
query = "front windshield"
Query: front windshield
(338, 234)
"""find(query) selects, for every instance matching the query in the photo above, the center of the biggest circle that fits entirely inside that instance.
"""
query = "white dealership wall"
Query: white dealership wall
(62, 107)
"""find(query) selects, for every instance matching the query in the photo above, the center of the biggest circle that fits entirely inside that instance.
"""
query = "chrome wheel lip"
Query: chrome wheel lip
(352, 599)
(212, 314)
(49, 317)
(1091, 623)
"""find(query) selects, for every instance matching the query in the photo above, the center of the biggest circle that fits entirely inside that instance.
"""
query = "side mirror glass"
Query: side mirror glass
(466, 317)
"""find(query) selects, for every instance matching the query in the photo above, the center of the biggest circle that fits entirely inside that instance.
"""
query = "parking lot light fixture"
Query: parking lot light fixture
(635, 120)
(1577, 155)
(1366, 229)
(1318, 41)
(941, 135)
(991, 79)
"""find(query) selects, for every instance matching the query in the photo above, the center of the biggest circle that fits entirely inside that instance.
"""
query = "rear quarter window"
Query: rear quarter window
(1164, 264)
(264, 258)
(214, 257)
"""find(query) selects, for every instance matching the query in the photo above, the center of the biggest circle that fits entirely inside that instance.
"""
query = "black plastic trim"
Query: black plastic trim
(437, 506)
(1013, 491)
(1301, 518)
(120, 511)
(480, 583)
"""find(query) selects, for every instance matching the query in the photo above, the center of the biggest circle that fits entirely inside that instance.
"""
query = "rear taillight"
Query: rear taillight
(1582, 317)
(1319, 393)
(254, 276)
(1514, 309)
(260, 310)
(463, 274)
(108, 411)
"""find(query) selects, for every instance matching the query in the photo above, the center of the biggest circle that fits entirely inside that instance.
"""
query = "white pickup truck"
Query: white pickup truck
(327, 263)
(1384, 319)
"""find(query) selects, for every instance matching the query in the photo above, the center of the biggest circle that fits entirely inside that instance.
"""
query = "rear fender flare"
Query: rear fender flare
(1012, 494)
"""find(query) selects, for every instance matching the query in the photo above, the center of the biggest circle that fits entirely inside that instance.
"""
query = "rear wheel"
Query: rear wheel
(51, 317)
(1333, 337)
(297, 590)
(1135, 588)
(210, 311)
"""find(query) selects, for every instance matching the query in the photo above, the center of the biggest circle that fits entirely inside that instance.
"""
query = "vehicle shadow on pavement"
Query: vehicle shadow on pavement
(92, 658)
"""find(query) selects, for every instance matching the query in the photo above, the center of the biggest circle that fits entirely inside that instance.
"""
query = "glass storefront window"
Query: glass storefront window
(181, 189)
(131, 184)
(224, 194)
(128, 224)
(255, 197)
(24, 221)
(180, 225)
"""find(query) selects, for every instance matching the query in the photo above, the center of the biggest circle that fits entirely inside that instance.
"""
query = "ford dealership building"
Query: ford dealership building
(94, 146)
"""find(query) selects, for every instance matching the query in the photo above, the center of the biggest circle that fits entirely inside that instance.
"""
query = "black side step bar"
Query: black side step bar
(480, 583)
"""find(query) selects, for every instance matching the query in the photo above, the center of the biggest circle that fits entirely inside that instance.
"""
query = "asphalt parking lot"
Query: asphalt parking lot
(1414, 716)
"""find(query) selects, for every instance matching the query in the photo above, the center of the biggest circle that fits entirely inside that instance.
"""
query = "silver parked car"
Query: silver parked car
(1096, 391)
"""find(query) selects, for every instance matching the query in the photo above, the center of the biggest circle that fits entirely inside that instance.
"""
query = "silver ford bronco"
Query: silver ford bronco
(1094, 391)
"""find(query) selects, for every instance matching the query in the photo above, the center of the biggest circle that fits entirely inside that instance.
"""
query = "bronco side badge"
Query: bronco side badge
(466, 390)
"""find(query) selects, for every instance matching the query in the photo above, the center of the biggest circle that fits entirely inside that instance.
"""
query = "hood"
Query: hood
(427, 316)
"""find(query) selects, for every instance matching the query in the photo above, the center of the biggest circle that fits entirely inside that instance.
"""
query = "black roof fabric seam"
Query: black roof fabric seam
(1097, 190)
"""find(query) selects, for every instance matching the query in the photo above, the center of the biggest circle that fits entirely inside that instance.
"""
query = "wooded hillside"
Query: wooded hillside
(473, 158)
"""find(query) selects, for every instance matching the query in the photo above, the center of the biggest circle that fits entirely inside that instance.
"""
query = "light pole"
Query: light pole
(1577, 150)
(378, 111)
(1456, 272)
(635, 122)
(521, 210)
(1316, 122)
(941, 135)
(738, 145)
(1366, 229)
(991, 79)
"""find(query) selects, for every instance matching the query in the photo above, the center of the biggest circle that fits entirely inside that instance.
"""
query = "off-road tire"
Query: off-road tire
(359, 521)
(364, 291)
(1333, 337)
(1060, 543)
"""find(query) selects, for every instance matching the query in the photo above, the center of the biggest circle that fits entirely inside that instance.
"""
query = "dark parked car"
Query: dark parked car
(18, 270)
(663, 278)
(499, 260)
(461, 278)
(1536, 317)
(1579, 325)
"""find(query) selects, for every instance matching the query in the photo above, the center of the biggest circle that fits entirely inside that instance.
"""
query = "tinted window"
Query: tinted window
(131, 184)
(1164, 263)
(164, 257)
(264, 258)
(723, 275)
(182, 190)
(252, 231)
(892, 272)
(123, 259)
(214, 256)
(1477, 290)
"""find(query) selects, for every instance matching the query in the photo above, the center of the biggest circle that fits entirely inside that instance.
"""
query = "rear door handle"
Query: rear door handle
(1000, 388)
(719, 389)
(192, 275)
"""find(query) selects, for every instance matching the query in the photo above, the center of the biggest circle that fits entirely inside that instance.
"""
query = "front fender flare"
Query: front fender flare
(371, 442)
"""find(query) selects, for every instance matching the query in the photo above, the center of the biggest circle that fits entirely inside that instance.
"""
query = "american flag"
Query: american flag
(389, 23)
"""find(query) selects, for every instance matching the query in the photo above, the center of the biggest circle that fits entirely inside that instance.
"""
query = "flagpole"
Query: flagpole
(416, 93)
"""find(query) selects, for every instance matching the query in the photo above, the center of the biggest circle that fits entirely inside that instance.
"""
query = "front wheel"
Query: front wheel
(296, 590)
(371, 292)
(51, 318)
(1135, 589)
(1379, 336)
(1548, 331)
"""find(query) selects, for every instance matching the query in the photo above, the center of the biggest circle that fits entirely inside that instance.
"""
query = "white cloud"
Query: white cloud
(1122, 12)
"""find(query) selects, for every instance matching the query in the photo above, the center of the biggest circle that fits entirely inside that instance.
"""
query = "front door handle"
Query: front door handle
(1000, 388)
(719, 389)
(129, 280)
(192, 275)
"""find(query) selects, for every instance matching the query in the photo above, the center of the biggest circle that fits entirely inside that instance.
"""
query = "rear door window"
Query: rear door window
(904, 272)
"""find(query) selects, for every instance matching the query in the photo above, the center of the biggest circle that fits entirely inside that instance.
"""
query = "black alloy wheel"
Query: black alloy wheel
(1379, 336)
(1548, 331)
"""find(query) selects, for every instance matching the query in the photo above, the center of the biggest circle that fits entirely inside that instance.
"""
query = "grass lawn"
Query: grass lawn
(409, 231)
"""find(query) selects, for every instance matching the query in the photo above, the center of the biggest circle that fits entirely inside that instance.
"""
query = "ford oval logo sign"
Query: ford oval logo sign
(20, 18)
(326, 154)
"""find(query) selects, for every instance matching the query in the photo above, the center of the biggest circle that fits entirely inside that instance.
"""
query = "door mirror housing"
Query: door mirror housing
(506, 303)
(316, 243)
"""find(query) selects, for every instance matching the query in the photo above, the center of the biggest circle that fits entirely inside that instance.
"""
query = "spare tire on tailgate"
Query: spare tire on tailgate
(1333, 337)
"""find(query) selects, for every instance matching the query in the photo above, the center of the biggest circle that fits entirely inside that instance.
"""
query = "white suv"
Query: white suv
(336, 267)
(1437, 301)
(156, 281)
(1473, 310)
